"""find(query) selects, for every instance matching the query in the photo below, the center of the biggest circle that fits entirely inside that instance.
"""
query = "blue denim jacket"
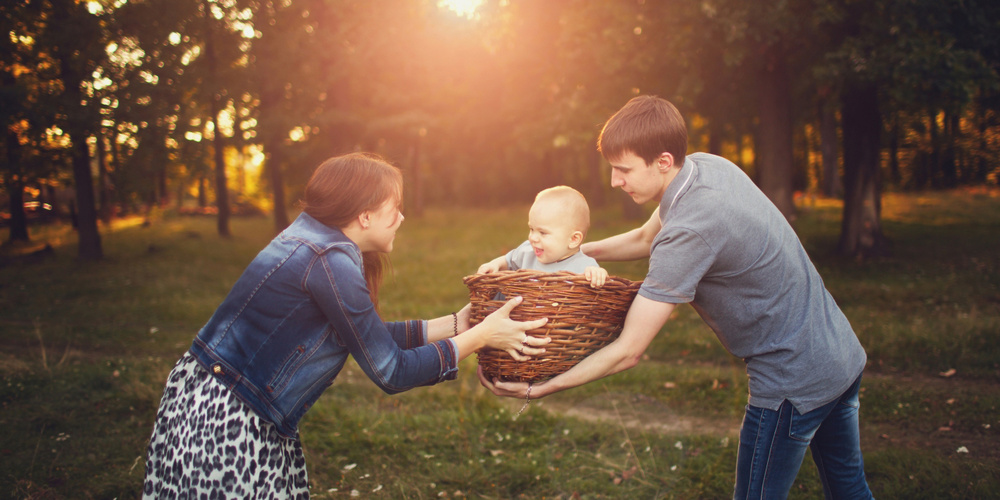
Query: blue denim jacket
(287, 326)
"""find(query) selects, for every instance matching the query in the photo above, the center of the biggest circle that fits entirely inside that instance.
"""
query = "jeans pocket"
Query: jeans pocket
(803, 427)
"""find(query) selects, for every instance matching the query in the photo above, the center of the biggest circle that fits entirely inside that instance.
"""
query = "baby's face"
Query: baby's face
(550, 232)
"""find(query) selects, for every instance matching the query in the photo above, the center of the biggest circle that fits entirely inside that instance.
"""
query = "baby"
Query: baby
(557, 225)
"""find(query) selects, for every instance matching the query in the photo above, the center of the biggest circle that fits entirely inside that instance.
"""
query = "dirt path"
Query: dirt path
(642, 413)
(637, 412)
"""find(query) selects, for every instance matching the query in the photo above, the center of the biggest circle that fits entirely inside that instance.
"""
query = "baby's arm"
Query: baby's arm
(597, 276)
(497, 264)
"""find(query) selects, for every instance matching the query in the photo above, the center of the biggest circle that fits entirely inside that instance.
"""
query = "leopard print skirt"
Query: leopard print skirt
(208, 444)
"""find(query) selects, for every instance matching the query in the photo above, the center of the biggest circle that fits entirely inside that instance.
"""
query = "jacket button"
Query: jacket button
(217, 370)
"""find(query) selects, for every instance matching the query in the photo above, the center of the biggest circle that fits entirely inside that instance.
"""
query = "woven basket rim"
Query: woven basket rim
(568, 276)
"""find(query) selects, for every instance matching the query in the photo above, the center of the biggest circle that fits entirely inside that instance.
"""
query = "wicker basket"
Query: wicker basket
(582, 319)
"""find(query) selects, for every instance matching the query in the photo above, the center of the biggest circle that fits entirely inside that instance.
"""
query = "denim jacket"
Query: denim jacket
(287, 326)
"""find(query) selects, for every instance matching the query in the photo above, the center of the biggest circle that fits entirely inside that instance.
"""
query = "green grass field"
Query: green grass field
(86, 348)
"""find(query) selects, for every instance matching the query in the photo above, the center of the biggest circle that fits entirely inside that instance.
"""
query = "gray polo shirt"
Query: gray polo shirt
(727, 250)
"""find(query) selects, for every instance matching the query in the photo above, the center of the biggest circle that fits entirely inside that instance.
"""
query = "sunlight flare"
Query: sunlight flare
(463, 8)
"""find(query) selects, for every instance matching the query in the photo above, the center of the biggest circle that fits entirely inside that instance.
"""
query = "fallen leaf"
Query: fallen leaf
(670, 385)
(947, 373)
(962, 449)
(629, 473)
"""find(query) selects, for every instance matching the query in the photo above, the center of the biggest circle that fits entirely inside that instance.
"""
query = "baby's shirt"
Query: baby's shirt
(523, 257)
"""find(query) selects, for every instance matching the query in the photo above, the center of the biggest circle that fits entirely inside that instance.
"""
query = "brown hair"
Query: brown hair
(342, 188)
(646, 126)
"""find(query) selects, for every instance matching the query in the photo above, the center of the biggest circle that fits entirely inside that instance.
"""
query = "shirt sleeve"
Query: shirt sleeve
(515, 258)
(678, 260)
(392, 355)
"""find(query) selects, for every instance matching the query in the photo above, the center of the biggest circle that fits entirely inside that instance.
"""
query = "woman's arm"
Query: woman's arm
(631, 245)
(448, 326)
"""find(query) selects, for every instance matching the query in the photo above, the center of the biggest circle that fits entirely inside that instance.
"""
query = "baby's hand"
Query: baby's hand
(597, 276)
(489, 267)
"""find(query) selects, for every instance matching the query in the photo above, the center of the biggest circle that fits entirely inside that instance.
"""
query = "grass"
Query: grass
(86, 348)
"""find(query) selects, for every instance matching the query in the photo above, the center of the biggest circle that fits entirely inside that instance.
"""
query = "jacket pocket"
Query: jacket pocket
(336, 336)
(287, 369)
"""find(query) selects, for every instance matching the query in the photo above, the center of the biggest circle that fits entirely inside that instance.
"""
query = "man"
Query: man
(718, 243)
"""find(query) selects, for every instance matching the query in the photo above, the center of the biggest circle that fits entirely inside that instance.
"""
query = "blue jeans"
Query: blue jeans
(773, 444)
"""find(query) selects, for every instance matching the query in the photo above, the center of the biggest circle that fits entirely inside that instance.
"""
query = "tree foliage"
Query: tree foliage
(160, 97)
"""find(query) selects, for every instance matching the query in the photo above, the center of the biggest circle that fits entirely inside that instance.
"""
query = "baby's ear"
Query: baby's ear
(576, 239)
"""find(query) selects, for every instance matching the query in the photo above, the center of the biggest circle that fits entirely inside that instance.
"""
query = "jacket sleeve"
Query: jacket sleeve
(336, 283)
(408, 334)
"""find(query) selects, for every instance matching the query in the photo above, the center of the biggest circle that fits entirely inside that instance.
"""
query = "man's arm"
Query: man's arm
(643, 322)
(631, 245)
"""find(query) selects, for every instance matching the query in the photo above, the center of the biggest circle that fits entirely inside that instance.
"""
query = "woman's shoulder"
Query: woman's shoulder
(320, 237)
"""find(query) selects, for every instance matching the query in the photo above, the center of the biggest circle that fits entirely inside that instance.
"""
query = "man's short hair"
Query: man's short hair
(646, 126)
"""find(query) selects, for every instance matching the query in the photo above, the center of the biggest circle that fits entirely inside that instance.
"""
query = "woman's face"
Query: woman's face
(382, 227)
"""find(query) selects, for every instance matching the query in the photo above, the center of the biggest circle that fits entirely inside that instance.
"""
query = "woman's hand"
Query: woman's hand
(511, 336)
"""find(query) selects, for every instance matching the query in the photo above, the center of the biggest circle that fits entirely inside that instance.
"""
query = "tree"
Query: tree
(15, 60)
(74, 37)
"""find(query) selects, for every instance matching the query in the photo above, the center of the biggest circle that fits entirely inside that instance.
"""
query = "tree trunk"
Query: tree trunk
(15, 191)
(716, 131)
(934, 171)
(202, 191)
(595, 195)
(89, 237)
(103, 183)
(75, 68)
(949, 167)
(221, 186)
(775, 165)
(416, 176)
(271, 115)
(830, 153)
(861, 230)
(895, 175)
(274, 160)
(218, 143)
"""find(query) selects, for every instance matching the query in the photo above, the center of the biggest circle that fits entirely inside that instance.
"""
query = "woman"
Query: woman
(227, 423)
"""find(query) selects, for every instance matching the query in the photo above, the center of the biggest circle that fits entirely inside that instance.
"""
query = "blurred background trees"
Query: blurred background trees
(117, 107)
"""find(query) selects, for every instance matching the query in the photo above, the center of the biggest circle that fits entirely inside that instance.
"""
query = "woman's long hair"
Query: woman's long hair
(342, 188)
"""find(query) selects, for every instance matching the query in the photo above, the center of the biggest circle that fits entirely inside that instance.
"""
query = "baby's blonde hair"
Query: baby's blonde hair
(572, 202)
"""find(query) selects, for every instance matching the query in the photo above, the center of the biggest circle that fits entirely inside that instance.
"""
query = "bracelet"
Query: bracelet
(527, 401)
(454, 317)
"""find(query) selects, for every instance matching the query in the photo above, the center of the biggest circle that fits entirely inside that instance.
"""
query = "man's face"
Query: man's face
(641, 181)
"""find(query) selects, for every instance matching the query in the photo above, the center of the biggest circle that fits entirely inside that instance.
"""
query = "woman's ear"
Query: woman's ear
(365, 219)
